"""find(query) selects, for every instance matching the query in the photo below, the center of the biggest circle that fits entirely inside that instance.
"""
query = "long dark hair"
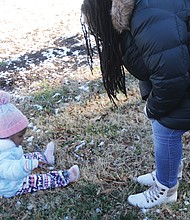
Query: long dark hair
(98, 23)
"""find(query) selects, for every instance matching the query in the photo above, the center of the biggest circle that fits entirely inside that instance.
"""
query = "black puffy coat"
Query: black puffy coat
(156, 49)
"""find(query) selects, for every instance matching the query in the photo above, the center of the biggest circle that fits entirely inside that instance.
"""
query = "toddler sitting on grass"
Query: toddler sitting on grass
(15, 166)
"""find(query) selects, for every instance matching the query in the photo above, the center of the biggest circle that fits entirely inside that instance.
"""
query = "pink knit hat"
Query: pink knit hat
(11, 119)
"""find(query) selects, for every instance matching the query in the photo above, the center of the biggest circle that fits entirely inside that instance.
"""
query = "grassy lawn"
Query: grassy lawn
(67, 104)
(110, 145)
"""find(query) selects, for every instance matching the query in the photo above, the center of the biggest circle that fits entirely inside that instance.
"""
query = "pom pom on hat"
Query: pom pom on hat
(12, 119)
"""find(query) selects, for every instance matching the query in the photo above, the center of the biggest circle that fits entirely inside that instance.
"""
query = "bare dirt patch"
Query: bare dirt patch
(40, 41)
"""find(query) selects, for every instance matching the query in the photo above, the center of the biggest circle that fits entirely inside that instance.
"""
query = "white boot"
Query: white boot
(49, 153)
(149, 178)
(156, 195)
(74, 173)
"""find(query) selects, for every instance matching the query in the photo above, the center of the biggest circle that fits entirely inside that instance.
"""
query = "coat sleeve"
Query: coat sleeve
(132, 60)
(161, 39)
(17, 169)
(145, 89)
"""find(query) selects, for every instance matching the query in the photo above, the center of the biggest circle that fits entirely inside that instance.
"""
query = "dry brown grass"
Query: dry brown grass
(110, 145)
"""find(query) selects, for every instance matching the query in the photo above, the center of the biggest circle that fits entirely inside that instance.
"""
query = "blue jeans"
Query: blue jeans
(168, 153)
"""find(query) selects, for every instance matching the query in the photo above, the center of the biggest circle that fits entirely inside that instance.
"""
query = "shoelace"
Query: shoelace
(153, 193)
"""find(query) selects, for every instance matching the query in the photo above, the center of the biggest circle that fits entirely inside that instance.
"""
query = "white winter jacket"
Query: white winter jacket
(13, 167)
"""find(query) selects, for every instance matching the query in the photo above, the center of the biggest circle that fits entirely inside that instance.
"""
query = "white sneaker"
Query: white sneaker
(156, 195)
(74, 173)
(150, 178)
(49, 153)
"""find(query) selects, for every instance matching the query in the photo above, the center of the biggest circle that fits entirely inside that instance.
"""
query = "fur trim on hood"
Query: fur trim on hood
(121, 14)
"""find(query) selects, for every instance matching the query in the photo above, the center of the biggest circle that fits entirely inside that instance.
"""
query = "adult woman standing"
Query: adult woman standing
(151, 40)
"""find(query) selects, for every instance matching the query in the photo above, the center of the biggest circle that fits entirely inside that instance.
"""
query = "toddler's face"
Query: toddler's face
(18, 137)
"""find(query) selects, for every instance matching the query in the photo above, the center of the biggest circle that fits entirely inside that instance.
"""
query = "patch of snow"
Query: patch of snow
(78, 98)
(82, 143)
(39, 107)
(30, 139)
(84, 87)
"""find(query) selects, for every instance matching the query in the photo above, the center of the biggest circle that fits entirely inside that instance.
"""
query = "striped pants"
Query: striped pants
(50, 180)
